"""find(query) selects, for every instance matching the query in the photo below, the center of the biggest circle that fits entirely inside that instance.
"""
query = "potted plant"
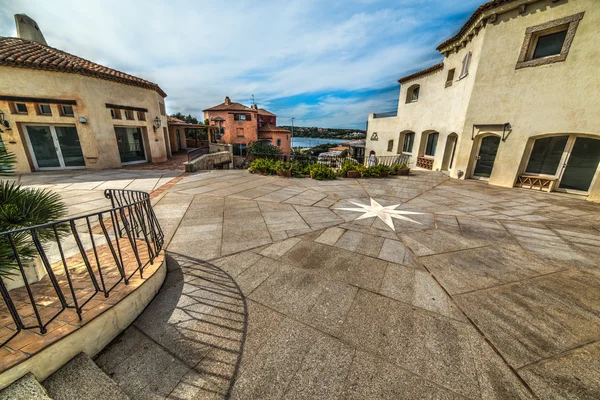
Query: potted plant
(283, 169)
(403, 169)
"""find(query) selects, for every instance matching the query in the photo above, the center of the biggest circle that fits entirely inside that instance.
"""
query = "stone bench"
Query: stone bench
(540, 182)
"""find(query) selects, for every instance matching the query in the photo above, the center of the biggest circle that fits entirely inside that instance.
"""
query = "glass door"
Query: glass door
(484, 162)
(581, 165)
(55, 147)
(131, 145)
(45, 152)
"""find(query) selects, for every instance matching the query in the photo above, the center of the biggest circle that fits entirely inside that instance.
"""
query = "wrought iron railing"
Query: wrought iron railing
(195, 153)
(80, 257)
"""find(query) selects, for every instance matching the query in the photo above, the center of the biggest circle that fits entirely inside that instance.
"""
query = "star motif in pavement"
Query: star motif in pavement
(383, 213)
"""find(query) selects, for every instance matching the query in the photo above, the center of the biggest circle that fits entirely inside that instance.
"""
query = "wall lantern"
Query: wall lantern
(4, 123)
(83, 120)
(156, 124)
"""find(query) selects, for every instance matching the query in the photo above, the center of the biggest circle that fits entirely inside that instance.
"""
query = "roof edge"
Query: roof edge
(422, 72)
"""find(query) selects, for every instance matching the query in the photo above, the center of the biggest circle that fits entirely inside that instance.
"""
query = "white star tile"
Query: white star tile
(383, 213)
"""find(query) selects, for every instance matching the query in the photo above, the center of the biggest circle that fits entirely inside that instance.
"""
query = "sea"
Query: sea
(312, 142)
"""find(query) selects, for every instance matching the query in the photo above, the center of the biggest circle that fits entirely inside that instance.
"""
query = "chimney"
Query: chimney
(255, 106)
(227, 101)
(28, 29)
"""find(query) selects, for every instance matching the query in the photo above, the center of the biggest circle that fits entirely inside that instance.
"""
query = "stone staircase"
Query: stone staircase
(79, 379)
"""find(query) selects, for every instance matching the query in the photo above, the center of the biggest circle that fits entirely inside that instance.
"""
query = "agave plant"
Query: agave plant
(22, 207)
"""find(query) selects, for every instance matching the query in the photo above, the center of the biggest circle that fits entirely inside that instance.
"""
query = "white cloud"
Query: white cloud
(198, 52)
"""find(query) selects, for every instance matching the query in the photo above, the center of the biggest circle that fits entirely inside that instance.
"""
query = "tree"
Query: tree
(263, 148)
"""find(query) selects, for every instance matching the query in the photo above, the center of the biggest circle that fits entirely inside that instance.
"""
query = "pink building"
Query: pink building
(242, 125)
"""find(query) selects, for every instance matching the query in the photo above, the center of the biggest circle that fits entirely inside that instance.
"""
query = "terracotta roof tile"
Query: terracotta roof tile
(233, 106)
(20, 53)
(422, 72)
(262, 111)
(270, 128)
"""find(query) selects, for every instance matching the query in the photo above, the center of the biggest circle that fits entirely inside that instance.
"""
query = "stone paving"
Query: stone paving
(273, 292)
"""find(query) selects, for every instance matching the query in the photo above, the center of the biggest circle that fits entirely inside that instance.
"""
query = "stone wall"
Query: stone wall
(209, 161)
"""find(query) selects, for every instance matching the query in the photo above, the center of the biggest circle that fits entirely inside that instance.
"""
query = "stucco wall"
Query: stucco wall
(249, 127)
(543, 100)
(547, 99)
(97, 136)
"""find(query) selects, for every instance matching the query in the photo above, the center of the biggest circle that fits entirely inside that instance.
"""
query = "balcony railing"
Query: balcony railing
(386, 114)
(79, 257)
(392, 160)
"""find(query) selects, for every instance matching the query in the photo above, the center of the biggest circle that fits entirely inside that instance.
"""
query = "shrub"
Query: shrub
(261, 148)
(378, 171)
(263, 164)
(300, 170)
(321, 172)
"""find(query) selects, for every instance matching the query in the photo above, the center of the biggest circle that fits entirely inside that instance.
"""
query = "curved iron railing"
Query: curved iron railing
(81, 256)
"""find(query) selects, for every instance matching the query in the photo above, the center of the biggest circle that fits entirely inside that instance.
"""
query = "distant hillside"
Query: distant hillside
(327, 133)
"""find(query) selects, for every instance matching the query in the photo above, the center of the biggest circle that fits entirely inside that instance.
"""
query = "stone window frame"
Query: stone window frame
(534, 32)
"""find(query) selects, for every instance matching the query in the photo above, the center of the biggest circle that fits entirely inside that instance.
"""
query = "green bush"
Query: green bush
(300, 170)
(321, 172)
(263, 164)
(377, 171)
(261, 147)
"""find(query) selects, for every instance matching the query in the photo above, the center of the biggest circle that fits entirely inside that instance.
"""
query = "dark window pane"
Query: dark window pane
(68, 139)
(431, 144)
(131, 144)
(409, 139)
(45, 109)
(67, 110)
(549, 45)
(546, 155)
(21, 108)
(582, 164)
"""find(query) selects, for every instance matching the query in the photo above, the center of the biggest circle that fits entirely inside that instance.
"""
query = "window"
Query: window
(141, 116)
(161, 107)
(67, 111)
(278, 142)
(115, 113)
(390, 145)
(431, 144)
(546, 155)
(412, 94)
(409, 139)
(45, 109)
(21, 108)
(242, 117)
(549, 42)
(465, 65)
(450, 77)
(128, 114)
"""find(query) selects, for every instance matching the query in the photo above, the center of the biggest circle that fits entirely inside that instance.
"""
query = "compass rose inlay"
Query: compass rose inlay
(383, 213)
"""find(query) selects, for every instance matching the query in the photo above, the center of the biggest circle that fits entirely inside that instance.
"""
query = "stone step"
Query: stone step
(26, 388)
(82, 379)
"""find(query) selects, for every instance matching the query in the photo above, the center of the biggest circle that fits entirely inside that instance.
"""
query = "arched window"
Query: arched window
(412, 94)
(431, 145)
(390, 145)
(278, 142)
(465, 65)
(409, 139)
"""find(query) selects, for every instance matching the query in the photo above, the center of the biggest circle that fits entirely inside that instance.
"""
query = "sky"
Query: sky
(328, 63)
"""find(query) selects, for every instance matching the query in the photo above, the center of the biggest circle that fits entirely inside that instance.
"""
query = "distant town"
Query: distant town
(327, 133)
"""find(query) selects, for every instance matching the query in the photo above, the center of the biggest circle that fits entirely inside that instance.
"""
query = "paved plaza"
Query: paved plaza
(434, 288)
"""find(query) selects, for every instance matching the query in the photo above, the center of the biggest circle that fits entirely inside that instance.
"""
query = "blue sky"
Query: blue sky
(326, 63)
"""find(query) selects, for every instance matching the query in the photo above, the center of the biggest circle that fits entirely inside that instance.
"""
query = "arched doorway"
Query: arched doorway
(179, 146)
(486, 156)
(449, 151)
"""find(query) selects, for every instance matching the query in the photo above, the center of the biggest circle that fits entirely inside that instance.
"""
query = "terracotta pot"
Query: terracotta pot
(353, 174)
(286, 173)
(404, 171)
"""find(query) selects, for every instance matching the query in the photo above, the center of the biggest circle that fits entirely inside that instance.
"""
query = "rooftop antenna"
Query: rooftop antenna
(253, 103)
